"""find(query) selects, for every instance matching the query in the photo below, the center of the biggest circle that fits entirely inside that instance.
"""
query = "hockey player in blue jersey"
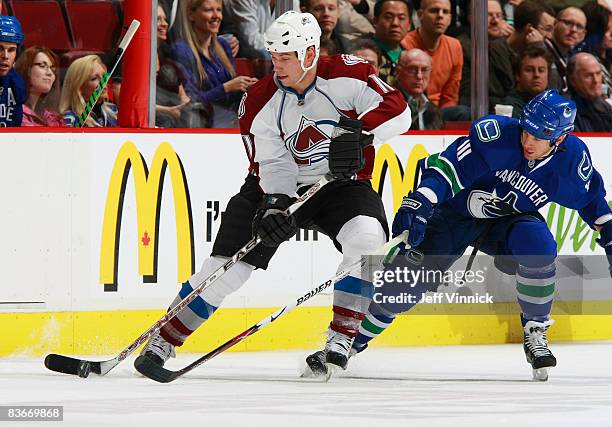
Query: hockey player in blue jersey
(12, 86)
(488, 187)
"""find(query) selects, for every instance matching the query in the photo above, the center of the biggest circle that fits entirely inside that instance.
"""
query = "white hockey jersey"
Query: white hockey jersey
(287, 135)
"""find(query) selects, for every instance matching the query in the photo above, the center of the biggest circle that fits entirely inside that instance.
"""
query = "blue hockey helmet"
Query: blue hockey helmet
(548, 116)
(10, 30)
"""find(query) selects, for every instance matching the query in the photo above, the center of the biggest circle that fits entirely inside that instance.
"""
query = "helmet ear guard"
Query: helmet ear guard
(294, 32)
(548, 116)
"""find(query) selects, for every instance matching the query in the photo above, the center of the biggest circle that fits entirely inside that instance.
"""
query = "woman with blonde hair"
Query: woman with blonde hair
(80, 82)
(37, 65)
(210, 77)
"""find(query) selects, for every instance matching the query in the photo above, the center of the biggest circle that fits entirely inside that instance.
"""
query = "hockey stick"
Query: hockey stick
(145, 366)
(82, 368)
(93, 99)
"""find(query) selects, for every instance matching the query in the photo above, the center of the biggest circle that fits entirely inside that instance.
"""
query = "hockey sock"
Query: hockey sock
(199, 310)
(535, 288)
(372, 326)
(352, 296)
(187, 320)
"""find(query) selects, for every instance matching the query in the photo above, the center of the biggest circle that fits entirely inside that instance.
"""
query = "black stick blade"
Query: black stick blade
(70, 365)
(152, 370)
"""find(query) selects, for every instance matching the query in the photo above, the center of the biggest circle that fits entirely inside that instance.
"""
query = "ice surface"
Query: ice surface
(459, 385)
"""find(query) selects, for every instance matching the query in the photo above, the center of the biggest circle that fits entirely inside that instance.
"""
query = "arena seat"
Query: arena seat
(43, 24)
(244, 67)
(262, 67)
(94, 24)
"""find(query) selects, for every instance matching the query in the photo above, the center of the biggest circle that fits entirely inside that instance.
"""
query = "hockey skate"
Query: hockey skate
(536, 349)
(158, 350)
(321, 364)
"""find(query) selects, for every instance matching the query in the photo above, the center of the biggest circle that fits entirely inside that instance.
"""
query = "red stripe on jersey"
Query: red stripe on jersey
(393, 104)
(252, 102)
(330, 67)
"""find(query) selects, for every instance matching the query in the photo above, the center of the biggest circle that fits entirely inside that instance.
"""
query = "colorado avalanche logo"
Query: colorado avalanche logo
(482, 204)
(309, 144)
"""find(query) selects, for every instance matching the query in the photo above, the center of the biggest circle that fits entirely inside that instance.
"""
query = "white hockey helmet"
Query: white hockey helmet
(294, 32)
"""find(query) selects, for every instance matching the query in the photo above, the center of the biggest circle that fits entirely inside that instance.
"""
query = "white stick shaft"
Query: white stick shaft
(381, 251)
(127, 38)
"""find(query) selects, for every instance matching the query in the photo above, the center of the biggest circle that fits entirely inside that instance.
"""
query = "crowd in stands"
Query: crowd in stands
(421, 47)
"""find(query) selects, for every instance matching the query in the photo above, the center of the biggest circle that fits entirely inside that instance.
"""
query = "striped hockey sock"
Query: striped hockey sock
(372, 326)
(352, 296)
(187, 320)
(535, 290)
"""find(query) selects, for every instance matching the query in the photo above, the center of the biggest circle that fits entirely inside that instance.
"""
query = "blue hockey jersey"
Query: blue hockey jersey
(485, 175)
(12, 97)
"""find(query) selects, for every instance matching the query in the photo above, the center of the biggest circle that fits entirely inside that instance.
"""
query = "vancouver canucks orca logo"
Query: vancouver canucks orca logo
(585, 169)
(309, 144)
(483, 204)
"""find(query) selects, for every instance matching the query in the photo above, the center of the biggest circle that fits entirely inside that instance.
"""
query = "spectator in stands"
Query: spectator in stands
(326, 13)
(413, 72)
(446, 52)
(501, 75)
(12, 86)
(249, 19)
(210, 77)
(584, 79)
(171, 11)
(81, 80)
(598, 34)
(497, 26)
(598, 27)
(356, 17)
(327, 47)
(533, 22)
(37, 65)
(368, 50)
(607, 46)
(173, 107)
(391, 24)
(570, 30)
(531, 71)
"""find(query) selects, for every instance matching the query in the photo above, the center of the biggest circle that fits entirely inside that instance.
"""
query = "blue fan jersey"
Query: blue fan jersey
(12, 97)
(486, 175)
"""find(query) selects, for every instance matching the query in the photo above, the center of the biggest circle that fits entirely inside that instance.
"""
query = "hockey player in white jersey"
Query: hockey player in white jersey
(286, 122)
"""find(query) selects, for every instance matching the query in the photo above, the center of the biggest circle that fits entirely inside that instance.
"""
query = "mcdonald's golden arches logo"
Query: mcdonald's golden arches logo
(148, 186)
(402, 180)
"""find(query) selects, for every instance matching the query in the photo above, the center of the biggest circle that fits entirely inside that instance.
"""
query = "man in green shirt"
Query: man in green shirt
(391, 23)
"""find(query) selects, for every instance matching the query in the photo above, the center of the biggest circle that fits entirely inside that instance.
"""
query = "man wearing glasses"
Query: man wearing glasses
(569, 31)
(12, 86)
(413, 72)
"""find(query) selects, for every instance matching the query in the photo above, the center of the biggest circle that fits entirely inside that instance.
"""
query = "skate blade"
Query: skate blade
(540, 374)
(306, 373)
(310, 376)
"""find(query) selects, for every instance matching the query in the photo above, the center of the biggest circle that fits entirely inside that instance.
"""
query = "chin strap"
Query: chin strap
(303, 75)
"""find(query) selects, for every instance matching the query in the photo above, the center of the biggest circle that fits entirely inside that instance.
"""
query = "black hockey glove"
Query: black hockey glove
(605, 240)
(346, 148)
(271, 223)
(412, 215)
